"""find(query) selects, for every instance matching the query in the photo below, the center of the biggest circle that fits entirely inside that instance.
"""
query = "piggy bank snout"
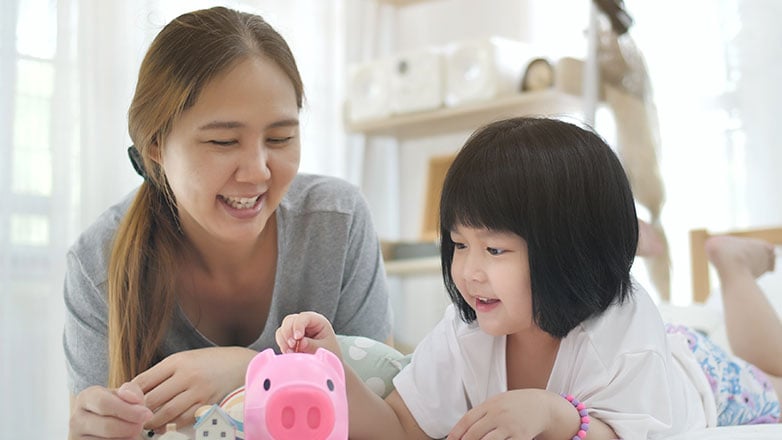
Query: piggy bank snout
(300, 412)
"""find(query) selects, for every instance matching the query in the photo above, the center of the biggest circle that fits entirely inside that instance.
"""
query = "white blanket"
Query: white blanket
(746, 432)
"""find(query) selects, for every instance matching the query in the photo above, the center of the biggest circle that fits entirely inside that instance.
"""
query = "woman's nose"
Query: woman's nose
(254, 165)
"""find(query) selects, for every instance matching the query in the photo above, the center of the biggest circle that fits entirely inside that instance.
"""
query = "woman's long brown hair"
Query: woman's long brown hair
(183, 58)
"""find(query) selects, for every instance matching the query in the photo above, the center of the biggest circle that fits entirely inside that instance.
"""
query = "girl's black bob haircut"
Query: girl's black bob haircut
(563, 190)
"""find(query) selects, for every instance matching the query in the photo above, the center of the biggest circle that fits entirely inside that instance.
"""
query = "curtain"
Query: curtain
(68, 70)
(39, 185)
(373, 162)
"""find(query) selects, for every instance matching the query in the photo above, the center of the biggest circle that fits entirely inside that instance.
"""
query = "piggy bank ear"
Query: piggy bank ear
(257, 364)
(332, 361)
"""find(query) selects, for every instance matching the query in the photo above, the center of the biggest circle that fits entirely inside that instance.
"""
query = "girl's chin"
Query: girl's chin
(492, 327)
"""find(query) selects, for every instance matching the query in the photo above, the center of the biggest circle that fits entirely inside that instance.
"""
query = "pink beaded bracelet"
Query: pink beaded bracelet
(582, 412)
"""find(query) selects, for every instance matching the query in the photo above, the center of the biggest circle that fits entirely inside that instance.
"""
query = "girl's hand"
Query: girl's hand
(519, 414)
(100, 413)
(306, 332)
(181, 383)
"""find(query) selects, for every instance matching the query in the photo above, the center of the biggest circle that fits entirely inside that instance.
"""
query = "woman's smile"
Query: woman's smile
(242, 207)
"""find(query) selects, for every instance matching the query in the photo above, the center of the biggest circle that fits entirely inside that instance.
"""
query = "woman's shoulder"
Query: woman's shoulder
(93, 246)
(312, 192)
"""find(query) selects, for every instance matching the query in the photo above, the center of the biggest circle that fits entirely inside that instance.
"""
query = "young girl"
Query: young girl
(538, 234)
(173, 290)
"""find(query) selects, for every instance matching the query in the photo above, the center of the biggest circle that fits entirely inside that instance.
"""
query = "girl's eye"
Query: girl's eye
(459, 245)
(223, 143)
(495, 251)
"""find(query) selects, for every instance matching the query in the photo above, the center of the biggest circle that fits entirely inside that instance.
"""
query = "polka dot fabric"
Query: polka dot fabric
(375, 362)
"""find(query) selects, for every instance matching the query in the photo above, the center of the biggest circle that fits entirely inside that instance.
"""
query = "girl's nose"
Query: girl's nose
(472, 269)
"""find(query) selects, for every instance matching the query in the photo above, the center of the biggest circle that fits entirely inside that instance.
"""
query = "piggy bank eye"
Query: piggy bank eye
(330, 384)
(267, 384)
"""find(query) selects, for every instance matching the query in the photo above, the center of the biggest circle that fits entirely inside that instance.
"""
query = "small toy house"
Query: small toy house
(215, 424)
(172, 434)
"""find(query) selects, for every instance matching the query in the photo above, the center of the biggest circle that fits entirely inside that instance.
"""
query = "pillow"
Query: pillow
(374, 362)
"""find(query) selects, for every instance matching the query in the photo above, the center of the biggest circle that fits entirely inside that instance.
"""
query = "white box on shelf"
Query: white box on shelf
(368, 91)
(486, 68)
(416, 80)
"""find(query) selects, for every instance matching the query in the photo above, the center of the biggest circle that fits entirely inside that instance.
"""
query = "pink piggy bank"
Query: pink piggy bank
(295, 396)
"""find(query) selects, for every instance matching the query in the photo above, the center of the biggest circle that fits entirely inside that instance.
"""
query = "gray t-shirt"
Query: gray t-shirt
(328, 261)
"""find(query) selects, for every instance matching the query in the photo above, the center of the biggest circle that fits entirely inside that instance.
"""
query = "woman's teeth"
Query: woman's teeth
(240, 202)
(486, 300)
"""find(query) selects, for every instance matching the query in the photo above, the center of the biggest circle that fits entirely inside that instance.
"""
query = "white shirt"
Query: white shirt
(624, 367)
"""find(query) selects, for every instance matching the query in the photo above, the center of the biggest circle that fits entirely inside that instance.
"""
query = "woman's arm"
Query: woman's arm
(85, 331)
(100, 413)
(183, 382)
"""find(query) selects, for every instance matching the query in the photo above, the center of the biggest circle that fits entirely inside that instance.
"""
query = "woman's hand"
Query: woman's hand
(306, 332)
(519, 414)
(101, 413)
(183, 382)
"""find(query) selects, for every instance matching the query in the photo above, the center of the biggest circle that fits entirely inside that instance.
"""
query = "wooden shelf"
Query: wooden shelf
(413, 266)
(469, 116)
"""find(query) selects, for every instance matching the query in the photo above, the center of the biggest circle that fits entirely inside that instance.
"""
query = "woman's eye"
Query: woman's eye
(223, 143)
(495, 251)
(459, 245)
(279, 140)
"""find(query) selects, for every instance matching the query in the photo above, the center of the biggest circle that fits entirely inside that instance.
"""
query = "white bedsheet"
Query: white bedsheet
(746, 432)
(709, 318)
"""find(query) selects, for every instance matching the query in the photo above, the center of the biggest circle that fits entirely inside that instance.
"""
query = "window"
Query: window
(31, 224)
(32, 157)
(31, 239)
(29, 229)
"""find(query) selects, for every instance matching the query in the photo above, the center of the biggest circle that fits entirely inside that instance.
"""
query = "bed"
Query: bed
(706, 314)
(747, 432)
(701, 285)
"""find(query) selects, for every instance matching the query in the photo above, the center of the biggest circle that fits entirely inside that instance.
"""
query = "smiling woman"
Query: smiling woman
(172, 291)
(240, 133)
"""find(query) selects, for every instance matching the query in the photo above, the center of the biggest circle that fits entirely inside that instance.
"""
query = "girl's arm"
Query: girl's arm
(371, 417)
(527, 413)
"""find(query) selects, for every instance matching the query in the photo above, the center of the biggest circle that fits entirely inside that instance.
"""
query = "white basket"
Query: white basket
(368, 91)
(482, 69)
(416, 81)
